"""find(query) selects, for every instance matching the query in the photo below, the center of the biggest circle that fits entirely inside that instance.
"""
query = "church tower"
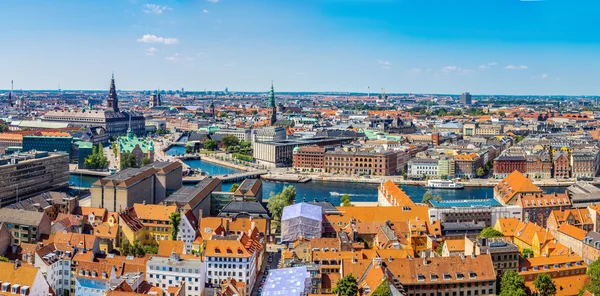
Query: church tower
(272, 105)
(113, 101)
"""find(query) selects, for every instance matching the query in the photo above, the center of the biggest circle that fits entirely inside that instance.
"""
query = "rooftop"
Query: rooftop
(464, 203)
(294, 281)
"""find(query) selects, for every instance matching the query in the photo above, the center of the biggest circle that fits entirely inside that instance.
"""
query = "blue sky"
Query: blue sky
(420, 46)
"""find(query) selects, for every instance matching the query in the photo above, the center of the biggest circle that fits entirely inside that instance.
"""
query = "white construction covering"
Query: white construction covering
(301, 220)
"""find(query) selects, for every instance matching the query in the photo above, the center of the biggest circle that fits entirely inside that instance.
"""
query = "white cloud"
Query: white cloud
(151, 51)
(204, 10)
(384, 64)
(213, 1)
(178, 57)
(415, 70)
(513, 67)
(150, 8)
(544, 76)
(149, 38)
(488, 65)
(451, 69)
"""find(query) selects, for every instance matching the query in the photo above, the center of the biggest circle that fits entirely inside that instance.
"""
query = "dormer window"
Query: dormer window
(420, 278)
(433, 277)
(472, 275)
(217, 251)
(25, 290)
(15, 289)
(460, 276)
(446, 276)
(555, 265)
(546, 266)
(5, 287)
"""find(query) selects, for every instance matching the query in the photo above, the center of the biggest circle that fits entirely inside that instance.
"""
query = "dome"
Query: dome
(296, 149)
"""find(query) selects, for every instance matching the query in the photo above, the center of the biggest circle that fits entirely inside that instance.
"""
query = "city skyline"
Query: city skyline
(498, 47)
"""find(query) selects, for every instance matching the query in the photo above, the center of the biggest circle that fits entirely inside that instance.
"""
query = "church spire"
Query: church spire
(272, 105)
(113, 101)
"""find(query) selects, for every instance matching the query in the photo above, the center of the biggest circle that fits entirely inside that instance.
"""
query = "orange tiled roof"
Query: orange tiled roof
(455, 245)
(513, 184)
(154, 212)
(395, 195)
(572, 231)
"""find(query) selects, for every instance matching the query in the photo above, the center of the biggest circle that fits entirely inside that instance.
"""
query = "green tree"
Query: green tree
(146, 161)
(345, 200)
(210, 145)
(383, 289)
(439, 248)
(114, 148)
(234, 187)
(480, 172)
(125, 248)
(254, 112)
(127, 160)
(222, 114)
(96, 160)
(175, 219)
(230, 140)
(3, 259)
(490, 232)
(279, 201)
(519, 138)
(189, 149)
(437, 198)
(347, 286)
(426, 197)
(3, 127)
(593, 272)
(544, 285)
(527, 253)
(512, 284)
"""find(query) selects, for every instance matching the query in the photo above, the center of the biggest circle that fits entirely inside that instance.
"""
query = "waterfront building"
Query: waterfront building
(111, 119)
(583, 194)
(250, 189)
(423, 167)
(487, 211)
(26, 174)
(466, 99)
(514, 185)
(175, 271)
(360, 163)
(505, 164)
(561, 166)
(83, 150)
(20, 279)
(310, 158)
(149, 184)
(268, 134)
(141, 148)
(568, 272)
(466, 165)
(54, 142)
(148, 224)
(25, 226)
(280, 153)
(390, 195)
(584, 164)
(242, 134)
(482, 129)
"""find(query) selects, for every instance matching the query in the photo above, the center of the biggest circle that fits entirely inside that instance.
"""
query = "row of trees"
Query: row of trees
(428, 196)
(513, 284)
(96, 160)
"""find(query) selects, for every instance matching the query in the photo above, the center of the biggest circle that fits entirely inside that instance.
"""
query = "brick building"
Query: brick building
(561, 166)
(504, 165)
(308, 158)
(360, 163)
(466, 165)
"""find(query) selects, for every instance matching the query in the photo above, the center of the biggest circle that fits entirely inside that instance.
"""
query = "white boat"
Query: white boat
(443, 184)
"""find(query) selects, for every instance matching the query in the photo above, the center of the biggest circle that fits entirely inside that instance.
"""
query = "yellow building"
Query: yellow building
(148, 224)
(108, 233)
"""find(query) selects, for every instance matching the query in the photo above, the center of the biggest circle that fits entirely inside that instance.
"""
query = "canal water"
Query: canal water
(175, 150)
(330, 191)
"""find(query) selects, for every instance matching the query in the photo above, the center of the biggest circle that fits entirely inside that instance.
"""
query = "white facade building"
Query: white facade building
(420, 167)
(56, 267)
(173, 271)
(187, 232)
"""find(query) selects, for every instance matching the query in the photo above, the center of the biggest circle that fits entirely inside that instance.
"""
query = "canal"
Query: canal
(331, 191)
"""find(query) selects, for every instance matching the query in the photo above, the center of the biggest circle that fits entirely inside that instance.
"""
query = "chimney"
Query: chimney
(425, 261)
(17, 263)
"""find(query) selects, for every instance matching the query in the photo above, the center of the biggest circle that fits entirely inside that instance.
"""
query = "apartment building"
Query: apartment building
(584, 164)
(150, 184)
(25, 226)
(456, 276)
(466, 165)
(241, 134)
(148, 224)
(505, 255)
(390, 195)
(423, 167)
(175, 271)
(268, 134)
(487, 211)
(360, 163)
(280, 153)
(17, 279)
(514, 185)
(537, 207)
(93, 278)
(310, 158)
(27, 174)
(568, 272)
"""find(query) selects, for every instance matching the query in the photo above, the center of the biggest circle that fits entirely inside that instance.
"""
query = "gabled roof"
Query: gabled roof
(513, 184)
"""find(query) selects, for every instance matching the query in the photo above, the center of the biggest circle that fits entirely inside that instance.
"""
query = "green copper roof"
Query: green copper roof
(128, 143)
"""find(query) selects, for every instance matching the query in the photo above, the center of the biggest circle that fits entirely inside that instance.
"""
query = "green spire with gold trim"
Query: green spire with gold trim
(272, 97)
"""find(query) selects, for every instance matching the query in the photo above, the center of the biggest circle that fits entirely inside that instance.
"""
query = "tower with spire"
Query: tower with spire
(113, 101)
(272, 105)
(10, 102)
